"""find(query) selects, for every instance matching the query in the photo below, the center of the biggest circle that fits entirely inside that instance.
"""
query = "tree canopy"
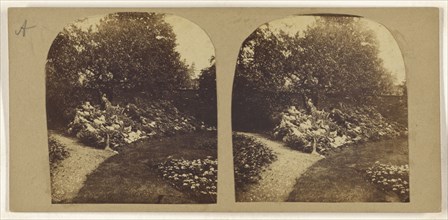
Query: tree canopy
(336, 55)
(125, 53)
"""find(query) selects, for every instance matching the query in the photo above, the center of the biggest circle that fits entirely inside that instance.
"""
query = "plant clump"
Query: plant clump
(117, 126)
(322, 131)
(57, 152)
(250, 157)
(390, 178)
(197, 177)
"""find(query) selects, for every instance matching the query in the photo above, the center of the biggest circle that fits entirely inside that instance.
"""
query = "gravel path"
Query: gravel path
(69, 176)
(278, 180)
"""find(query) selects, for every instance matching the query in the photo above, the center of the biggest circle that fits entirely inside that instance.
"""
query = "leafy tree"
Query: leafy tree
(127, 54)
(192, 80)
(207, 94)
(259, 79)
(335, 56)
(338, 56)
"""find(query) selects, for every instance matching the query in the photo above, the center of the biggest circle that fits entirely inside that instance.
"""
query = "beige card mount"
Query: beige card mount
(224, 109)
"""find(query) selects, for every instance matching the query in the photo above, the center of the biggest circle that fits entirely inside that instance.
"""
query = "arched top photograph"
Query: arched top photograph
(320, 97)
(129, 96)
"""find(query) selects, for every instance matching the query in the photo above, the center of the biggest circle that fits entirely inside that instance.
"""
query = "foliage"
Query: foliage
(249, 159)
(397, 109)
(207, 94)
(324, 131)
(118, 126)
(390, 178)
(197, 177)
(57, 151)
(258, 80)
(124, 53)
(336, 55)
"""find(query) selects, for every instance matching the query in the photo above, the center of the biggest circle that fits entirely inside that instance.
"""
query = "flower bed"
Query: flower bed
(390, 178)
(323, 131)
(57, 152)
(197, 177)
(249, 159)
(118, 126)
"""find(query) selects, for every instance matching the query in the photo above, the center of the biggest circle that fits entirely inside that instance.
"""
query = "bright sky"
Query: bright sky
(389, 51)
(193, 44)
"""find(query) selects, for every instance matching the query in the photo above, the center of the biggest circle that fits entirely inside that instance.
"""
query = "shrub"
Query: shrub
(249, 159)
(299, 143)
(196, 177)
(390, 178)
(91, 138)
(57, 152)
(301, 130)
(125, 125)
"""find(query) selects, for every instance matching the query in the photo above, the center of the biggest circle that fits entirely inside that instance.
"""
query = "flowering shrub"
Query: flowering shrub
(249, 159)
(57, 152)
(118, 126)
(197, 177)
(323, 131)
(390, 178)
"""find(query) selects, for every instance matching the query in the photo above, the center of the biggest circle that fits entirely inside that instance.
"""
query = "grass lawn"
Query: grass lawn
(131, 177)
(341, 176)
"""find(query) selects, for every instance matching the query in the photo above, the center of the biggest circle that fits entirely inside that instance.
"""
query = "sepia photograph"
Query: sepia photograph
(113, 109)
(319, 112)
(132, 111)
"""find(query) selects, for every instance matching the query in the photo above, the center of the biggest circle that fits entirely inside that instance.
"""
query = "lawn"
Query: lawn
(341, 176)
(132, 176)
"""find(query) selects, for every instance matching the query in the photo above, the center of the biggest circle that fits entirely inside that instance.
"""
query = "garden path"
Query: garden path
(278, 180)
(69, 176)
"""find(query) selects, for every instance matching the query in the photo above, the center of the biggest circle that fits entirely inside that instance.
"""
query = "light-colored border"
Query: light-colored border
(160, 215)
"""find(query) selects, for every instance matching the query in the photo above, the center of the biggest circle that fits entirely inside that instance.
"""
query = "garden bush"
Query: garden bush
(249, 159)
(196, 177)
(117, 126)
(57, 152)
(390, 178)
(324, 131)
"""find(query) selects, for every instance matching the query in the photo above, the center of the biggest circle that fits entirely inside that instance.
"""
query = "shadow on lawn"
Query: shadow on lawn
(131, 177)
(341, 176)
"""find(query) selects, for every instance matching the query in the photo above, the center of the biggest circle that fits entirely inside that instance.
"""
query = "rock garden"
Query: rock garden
(116, 127)
(322, 131)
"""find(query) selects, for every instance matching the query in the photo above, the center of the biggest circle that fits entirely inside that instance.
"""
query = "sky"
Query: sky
(389, 51)
(193, 44)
